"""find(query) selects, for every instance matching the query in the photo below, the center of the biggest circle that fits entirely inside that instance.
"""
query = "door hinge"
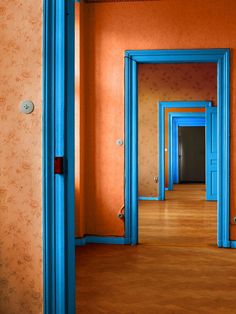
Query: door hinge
(58, 165)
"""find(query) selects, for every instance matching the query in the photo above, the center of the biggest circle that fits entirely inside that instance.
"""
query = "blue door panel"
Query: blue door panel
(211, 154)
(213, 186)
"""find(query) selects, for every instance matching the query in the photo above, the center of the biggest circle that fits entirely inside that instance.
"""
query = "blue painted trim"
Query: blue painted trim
(58, 106)
(100, 240)
(134, 164)
(199, 123)
(70, 156)
(223, 142)
(59, 140)
(161, 134)
(222, 58)
(48, 159)
(131, 152)
(185, 54)
(148, 198)
(184, 104)
(211, 154)
(233, 244)
(225, 244)
(175, 120)
(177, 55)
(128, 141)
(175, 144)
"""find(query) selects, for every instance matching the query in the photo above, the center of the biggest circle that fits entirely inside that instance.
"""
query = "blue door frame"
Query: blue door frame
(161, 134)
(132, 58)
(176, 120)
(58, 140)
(178, 123)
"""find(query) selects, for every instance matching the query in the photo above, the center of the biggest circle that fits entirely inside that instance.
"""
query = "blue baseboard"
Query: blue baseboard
(100, 240)
(148, 198)
(121, 240)
(225, 244)
(233, 244)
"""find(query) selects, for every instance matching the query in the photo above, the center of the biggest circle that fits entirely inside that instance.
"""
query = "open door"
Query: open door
(211, 154)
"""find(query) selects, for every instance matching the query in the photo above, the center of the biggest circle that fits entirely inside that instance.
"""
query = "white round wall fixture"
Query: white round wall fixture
(119, 142)
(26, 106)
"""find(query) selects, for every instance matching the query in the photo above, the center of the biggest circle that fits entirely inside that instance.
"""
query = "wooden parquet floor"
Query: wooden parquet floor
(175, 269)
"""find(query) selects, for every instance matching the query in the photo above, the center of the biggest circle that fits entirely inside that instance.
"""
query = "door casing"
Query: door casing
(58, 140)
(161, 134)
(176, 119)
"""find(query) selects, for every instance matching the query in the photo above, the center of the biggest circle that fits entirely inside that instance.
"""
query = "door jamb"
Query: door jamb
(58, 140)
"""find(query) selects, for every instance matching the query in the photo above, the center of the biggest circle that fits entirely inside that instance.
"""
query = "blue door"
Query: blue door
(211, 154)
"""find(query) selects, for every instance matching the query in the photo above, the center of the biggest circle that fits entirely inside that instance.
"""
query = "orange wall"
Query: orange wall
(80, 123)
(20, 158)
(166, 82)
(110, 29)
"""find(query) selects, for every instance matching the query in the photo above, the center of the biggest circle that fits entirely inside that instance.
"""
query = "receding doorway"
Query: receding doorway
(178, 220)
(133, 60)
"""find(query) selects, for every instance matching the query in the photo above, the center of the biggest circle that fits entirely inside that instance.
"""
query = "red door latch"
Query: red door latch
(58, 165)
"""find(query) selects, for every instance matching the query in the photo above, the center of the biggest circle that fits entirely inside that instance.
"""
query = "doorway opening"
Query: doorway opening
(185, 205)
(191, 147)
(133, 60)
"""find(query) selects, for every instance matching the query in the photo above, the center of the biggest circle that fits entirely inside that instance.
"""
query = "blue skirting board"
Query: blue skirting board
(148, 198)
(233, 244)
(122, 240)
(100, 240)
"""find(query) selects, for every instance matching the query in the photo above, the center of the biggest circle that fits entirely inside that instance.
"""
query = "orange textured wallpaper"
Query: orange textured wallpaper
(20, 158)
(79, 122)
(166, 82)
(110, 29)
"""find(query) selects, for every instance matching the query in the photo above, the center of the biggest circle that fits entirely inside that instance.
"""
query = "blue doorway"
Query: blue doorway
(176, 120)
(162, 107)
(132, 59)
